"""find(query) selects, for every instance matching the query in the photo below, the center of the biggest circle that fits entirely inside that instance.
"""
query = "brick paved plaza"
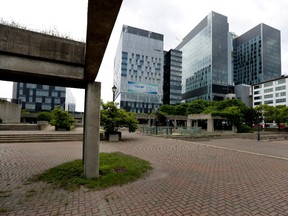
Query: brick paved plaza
(219, 177)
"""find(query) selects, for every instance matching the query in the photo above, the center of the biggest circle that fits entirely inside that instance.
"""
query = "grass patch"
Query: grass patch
(115, 169)
(4, 210)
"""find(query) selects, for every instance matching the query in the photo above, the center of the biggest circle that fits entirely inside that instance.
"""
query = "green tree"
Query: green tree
(197, 106)
(167, 109)
(277, 114)
(233, 110)
(61, 119)
(44, 116)
(113, 118)
(181, 109)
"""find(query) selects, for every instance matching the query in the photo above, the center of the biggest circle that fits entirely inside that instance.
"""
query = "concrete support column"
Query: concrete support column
(92, 130)
(210, 125)
(189, 123)
(175, 123)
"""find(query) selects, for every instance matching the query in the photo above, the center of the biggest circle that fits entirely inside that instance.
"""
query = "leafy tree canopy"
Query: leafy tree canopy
(279, 114)
(233, 110)
(61, 118)
(44, 116)
(113, 118)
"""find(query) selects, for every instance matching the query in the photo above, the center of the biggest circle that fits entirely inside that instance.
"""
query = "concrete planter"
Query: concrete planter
(113, 136)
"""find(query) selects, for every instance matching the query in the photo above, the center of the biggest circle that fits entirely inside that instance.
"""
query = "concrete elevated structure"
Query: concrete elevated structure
(27, 56)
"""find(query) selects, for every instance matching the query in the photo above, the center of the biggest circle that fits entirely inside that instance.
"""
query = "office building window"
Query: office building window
(280, 88)
(281, 100)
(38, 99)
(30, 85)
(268, 90)
(268, 102)
(57, 100)
(46, 107)
(46, 87)
(58, 88)
(54, 94)
(268, 96)
(48, 100)
(281, 81)
(268, 84)
(30, 106)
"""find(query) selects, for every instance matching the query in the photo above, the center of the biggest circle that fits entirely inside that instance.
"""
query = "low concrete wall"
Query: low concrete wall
(10, 112)
(19, 127)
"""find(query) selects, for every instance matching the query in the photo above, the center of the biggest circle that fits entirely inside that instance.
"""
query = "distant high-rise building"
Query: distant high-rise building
(138, 70)
(257, 55)
(172, 77)
(70, 101)
(37, 98)
(206, 51)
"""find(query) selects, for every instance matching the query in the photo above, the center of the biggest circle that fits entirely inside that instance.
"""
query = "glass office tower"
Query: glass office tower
(172, 93)
(257, 55)
(138, 70)
(205, 70)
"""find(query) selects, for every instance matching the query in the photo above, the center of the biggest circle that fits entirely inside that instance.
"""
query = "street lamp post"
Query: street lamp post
(114, 88)
(258, 125)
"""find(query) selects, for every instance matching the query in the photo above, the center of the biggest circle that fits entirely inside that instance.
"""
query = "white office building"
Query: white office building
(138, 70)
(272, 92)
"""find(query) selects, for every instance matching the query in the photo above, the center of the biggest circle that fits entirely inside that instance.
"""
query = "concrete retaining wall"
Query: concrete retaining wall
(10, 112)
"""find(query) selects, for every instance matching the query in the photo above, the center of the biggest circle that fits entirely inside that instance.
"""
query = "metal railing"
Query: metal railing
(167, 130)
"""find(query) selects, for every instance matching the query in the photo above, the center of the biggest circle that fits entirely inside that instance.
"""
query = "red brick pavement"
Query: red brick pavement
(187, 179)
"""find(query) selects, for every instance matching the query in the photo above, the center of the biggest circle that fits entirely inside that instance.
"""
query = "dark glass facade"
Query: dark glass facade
(257, 55)
(172, 77)
(205, 70)
(38, 98)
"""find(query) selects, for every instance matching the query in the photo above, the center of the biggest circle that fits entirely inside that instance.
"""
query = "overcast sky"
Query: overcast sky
(172, 18)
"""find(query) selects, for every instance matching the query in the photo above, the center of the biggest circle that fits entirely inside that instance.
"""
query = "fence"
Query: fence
(166, 130)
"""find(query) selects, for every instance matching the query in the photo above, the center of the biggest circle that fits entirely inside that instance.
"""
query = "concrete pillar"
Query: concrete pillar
(92, 130)
(189, 123)
(210, 125)
(175, 123)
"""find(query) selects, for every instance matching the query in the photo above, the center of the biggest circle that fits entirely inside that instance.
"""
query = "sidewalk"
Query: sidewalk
(206, 178)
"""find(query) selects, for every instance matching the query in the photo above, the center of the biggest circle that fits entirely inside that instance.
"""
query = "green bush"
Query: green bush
(44, 116)
(244, 129)
(61, 119)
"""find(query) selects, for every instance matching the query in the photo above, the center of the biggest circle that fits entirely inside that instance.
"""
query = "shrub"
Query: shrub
(244, 129)
(61, 119)
(44, 116)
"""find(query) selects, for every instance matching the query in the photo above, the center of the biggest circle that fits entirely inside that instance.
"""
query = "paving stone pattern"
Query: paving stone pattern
(187, 179)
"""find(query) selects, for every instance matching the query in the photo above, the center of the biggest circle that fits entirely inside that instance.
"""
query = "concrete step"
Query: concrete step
(9, 138)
